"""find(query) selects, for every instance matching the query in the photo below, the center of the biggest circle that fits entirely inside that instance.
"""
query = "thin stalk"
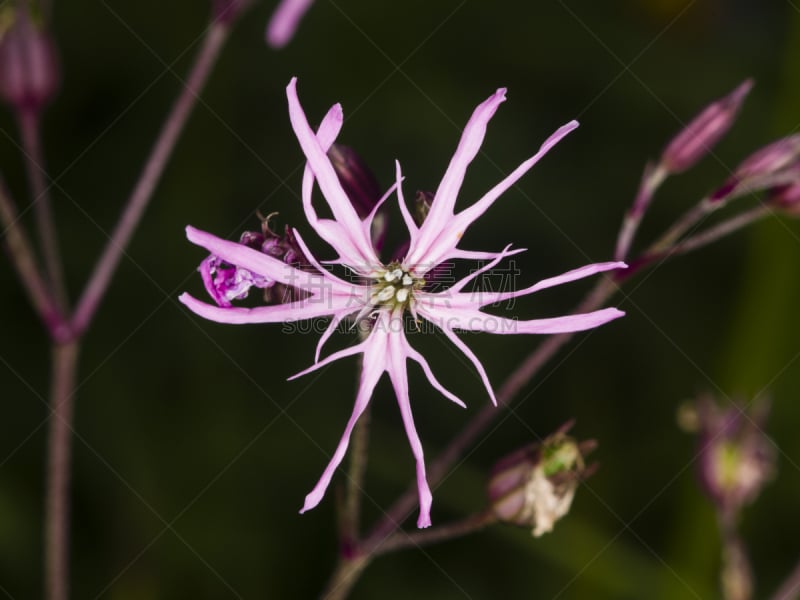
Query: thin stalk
(700, 240)
(790, 588)
(440, 533)
(59, 437)
(24, 260)
(652, 178)
(29, 121)
(150, 176)
(736, 577)
(345, 577)
(351, 511)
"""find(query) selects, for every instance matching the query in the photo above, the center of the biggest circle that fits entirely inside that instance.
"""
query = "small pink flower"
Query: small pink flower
(383, 293)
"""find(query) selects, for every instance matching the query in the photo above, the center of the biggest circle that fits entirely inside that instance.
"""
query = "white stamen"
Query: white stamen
(392, 275)
(402, 294)
(407, 279)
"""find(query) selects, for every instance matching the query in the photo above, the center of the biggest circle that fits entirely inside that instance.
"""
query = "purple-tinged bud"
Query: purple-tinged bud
(225, 12)
(29, 73)
(534, 486)
(787, 198)
(361, 187)
(736, 456)
(773, 166)
(226, 283)
(285, 20)
(422, 206)
(704, 131)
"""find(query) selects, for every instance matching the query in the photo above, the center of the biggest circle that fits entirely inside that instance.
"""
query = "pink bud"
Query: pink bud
(704, 131)
(285, 20)
(29, 74)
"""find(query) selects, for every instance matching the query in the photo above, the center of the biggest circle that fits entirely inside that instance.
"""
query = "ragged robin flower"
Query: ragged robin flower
(381, 295)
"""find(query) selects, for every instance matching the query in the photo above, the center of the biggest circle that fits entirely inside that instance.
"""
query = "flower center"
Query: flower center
(394, 286)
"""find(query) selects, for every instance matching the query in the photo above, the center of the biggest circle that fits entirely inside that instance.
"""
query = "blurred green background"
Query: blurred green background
(193, 453)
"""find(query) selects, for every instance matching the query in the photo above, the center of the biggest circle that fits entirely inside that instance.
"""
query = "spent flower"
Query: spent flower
(380, 294)
(534, 486)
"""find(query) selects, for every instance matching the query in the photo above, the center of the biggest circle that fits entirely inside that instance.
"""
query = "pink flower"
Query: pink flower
(382, 293)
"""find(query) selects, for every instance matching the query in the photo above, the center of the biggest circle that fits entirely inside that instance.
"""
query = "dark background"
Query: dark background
(193, 453)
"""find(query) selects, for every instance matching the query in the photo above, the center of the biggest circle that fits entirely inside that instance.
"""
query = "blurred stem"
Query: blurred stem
(24, 260)
(736, 576)
(790, 588)
(345, 577)
(150, 176)
(702, 239)
(59, 437)
(351, 513)
(652, 178)
(29, 121)
(689, 219)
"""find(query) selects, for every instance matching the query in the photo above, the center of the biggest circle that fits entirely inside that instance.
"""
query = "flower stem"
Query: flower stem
(652, 178)
(790, 588)
(440, 533)
(23, 258)
(30, 131)
(65, 359)
(351, 512)
(736, 576)
(345, 577)
(150, 176)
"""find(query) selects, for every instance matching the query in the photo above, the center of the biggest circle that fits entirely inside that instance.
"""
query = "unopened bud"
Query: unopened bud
(29, 74)
(285, 20)
(736, 457)
(534, 486)
(361, 187)
(704, 131)
(787, 198)
(773, 166)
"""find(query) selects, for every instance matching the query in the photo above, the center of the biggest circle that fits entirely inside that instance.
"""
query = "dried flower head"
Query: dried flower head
(534, 486)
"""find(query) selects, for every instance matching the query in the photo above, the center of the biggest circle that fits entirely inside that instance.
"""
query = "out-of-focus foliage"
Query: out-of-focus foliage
(193, 453)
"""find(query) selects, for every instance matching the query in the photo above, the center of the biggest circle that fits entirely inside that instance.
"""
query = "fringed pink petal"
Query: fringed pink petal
(277, 313)
(369, 378)
(343, 211)
(442, 209)
(399, 376)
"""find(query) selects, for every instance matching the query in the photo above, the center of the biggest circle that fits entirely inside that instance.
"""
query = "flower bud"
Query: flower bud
(736, 457)
(534, 486)
(361, 187)
(285, 20)
(773, 166)
(29, 74)
(787, 198)
(704, 131)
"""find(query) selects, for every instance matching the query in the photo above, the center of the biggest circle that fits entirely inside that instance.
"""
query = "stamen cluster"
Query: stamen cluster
(394, 287)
